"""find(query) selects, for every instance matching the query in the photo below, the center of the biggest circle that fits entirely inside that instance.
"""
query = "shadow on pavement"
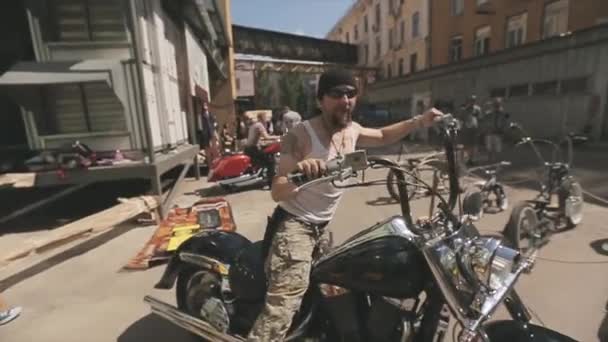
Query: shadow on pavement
(381, 201)
(600, 246)
(152, 328)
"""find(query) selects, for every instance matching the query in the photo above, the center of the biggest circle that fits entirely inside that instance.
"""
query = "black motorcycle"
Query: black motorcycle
(398, 280)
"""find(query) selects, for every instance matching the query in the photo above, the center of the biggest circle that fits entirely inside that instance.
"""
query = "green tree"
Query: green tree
(263, 89)
(291, 90)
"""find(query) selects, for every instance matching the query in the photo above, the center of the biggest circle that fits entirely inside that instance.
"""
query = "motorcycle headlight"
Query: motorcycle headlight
(490, 261)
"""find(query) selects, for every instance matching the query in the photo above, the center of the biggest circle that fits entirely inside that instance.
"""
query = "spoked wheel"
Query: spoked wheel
(502, 201)
(444, 182)
(521, 231)
(571, 202)
(391, 185)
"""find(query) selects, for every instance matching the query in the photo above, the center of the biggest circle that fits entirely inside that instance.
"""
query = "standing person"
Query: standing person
(290, 119)
(296, 233)
(208, 139)
(241, 129)
(470, 115)
(8, 313)
(495, 124)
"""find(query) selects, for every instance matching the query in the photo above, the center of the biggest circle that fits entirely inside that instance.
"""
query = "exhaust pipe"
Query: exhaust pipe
(241, 180)
(185, 321)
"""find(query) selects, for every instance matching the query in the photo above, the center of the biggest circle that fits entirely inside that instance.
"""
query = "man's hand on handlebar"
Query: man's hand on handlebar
(312, 168)
(430, 117)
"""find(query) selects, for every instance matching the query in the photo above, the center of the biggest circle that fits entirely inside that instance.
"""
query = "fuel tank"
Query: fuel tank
(382, 260)
(229, 167)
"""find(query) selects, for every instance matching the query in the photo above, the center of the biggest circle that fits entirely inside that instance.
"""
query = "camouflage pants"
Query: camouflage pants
(294, 247)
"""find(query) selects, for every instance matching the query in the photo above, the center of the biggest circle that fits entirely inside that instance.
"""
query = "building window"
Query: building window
(82, 108)
(402, 33)
(365, 24)
(413, 62)
(576, 85)
(356, 33)
(456, 49)
(516, 30)
(390, 38)
(457, 7)
(389, 70)
(545, 88)
(482, 40)
(88, 20)
(415, 25)
(401, 66)
(347, 38)
(377, 18)
(556, 18)
(365, 53)
(378, 47)
(519, 90)
(481, 2)
(498, 92)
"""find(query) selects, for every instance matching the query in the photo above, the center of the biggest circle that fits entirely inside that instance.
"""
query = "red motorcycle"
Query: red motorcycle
(235, 171)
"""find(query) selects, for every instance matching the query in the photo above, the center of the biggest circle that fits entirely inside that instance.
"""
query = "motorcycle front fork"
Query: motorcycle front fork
(516, 308)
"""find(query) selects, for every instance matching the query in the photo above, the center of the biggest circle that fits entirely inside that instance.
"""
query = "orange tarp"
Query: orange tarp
(209, 213)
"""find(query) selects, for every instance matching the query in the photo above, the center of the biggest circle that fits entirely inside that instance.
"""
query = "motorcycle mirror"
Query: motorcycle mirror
(472, 204)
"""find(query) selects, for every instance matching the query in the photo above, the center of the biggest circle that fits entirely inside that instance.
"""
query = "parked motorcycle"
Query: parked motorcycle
(394, 281)
(559, 203)
(236, 171)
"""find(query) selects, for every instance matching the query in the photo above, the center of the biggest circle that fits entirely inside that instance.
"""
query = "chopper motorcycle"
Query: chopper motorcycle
(559, 203)
(394, 281)
(235, 171)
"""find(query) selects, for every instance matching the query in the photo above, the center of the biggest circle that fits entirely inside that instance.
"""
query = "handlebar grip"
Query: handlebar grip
(297, 178)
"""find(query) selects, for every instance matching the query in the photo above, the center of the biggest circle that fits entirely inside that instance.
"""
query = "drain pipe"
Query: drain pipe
(135, 34)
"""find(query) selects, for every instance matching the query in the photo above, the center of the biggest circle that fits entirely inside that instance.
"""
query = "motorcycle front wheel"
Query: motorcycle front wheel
(571, 202)
(520, 232)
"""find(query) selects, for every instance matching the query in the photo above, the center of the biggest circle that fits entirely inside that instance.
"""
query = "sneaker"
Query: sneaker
(9, 315)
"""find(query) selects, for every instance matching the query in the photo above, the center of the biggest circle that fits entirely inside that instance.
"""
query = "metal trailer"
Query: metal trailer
(115, 75)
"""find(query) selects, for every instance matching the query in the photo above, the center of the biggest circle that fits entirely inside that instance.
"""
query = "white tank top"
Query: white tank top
(317, 203)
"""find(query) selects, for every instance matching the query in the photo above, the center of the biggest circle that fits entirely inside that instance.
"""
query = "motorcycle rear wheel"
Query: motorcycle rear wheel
(194, 286)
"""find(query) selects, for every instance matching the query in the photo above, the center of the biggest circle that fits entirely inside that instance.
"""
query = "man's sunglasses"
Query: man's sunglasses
(337, 93)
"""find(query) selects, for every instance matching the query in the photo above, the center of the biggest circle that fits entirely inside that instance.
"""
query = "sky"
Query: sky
(312, 18)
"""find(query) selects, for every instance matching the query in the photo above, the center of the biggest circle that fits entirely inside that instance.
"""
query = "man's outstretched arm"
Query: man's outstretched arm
(371, 137)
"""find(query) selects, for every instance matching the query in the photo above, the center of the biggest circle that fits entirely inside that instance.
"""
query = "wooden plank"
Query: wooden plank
(18, 180)
(96, 223)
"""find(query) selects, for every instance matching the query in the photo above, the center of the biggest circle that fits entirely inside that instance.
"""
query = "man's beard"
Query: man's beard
(343, 120)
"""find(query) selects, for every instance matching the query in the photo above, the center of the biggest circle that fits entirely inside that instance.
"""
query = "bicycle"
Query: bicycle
(416, 167)
(532, 221)
(492, 191)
